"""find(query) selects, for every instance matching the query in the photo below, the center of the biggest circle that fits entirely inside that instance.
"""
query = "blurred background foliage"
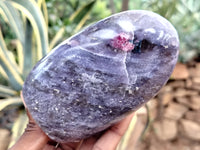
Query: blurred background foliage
(29, 29)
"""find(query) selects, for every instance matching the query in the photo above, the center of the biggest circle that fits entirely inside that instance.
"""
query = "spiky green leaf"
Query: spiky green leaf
(9, 67)
(7, 91)
(80, 16)
(14, 19)
(32, 11)
(10, 101)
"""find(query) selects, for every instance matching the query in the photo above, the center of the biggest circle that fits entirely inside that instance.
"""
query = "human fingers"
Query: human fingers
(52, 145)
(88, 143)
(31, 140)
(27, 112)
(70, 146)
(110, 139)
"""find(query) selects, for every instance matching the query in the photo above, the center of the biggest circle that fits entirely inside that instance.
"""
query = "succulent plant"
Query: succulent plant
(98, 76)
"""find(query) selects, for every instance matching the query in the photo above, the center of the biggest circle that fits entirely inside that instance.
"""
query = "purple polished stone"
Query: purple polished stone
(98, 76)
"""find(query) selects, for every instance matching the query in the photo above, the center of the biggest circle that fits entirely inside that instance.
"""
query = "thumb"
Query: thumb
(27, 112)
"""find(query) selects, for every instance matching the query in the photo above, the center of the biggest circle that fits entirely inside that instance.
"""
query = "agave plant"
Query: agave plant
(28, 21)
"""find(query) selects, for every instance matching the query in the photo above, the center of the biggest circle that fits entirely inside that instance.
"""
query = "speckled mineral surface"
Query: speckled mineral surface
(98, 76)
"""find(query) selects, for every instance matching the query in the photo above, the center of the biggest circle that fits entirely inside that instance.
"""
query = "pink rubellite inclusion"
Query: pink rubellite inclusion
(122, 42)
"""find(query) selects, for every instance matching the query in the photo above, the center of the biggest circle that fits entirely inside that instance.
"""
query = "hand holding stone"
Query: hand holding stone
(100, 75)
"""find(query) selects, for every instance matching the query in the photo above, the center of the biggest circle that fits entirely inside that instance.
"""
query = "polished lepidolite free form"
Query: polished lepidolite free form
(95, 78)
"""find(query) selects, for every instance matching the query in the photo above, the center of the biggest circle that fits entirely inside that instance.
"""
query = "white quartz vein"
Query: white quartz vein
(125, 67)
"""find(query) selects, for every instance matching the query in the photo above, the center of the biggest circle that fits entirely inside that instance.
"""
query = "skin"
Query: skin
(35, 139)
